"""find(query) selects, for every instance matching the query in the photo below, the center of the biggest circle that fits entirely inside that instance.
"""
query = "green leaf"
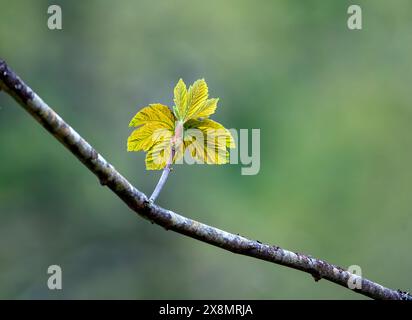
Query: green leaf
(156, 114)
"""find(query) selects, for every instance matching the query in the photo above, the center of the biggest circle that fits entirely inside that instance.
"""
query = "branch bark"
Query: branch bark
(138, 201)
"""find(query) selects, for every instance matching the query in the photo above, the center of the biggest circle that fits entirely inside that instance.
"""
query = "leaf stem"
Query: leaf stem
(163, 177)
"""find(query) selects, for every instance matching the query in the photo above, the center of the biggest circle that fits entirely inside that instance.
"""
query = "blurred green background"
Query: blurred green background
(333, 105)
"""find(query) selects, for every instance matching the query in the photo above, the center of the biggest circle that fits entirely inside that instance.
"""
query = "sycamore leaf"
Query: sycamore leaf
(197, 96)
(207, 141)
(180, 99)
(155, 114)
(216, 154)
(159, 130)
(206, 109)
(213, 130)
(207, 152)
(158, 155)
(144, 137)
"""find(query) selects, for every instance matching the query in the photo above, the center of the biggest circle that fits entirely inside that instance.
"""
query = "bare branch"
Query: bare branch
(170, 220)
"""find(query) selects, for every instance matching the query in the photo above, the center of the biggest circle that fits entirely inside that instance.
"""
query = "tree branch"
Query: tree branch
(170, 220)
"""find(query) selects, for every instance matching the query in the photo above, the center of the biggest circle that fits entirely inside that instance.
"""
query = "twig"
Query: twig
(170, 220)
(163, 177)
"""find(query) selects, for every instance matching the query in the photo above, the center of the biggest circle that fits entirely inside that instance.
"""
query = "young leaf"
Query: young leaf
(197, 96)
(146, 136)
(156, 114)
(159, 130)
(212, 129)
(206, 109)
(180, 99)
(158, 155)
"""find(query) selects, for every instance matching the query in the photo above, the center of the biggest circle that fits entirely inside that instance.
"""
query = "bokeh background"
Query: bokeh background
(334, 108)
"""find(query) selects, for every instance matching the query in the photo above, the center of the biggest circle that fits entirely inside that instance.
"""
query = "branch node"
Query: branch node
(404, 295)
(316, 276)
(103, 181)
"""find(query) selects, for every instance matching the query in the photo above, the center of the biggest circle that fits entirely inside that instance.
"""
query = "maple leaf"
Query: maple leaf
(166, 134)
